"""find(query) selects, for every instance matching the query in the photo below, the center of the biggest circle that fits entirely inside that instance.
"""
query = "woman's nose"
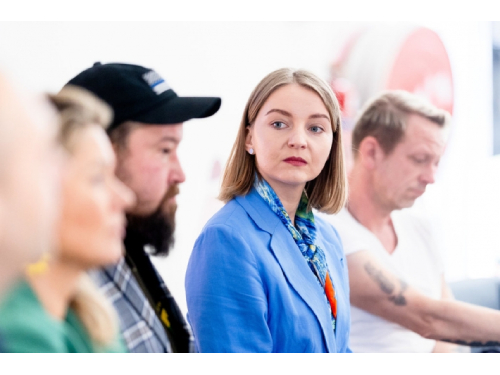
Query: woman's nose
(297, 139)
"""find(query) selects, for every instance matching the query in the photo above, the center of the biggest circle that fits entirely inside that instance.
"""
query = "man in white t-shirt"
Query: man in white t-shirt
(400, 301)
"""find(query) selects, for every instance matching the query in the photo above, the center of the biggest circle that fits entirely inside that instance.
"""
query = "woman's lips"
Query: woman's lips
(298, 162)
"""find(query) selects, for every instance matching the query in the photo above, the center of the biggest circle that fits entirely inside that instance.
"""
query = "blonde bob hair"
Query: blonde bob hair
(79, 109)
(328, 191)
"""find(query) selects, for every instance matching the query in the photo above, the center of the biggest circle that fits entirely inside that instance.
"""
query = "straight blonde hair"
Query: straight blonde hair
(328, 191)
(78, 109)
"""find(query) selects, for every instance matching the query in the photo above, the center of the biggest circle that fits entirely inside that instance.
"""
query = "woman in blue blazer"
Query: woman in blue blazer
(265, 275)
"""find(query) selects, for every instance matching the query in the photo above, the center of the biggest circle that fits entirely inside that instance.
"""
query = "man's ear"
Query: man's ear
(248, 138)
(370, 152)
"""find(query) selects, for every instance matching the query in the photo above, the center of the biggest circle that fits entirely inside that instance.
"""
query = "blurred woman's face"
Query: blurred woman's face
(30, 182)
(92, 223)
(291, 137)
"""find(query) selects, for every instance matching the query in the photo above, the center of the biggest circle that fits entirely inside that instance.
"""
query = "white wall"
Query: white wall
(464, 203)
(228, 59)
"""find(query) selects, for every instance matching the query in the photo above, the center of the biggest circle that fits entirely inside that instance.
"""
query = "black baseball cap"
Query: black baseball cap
(140, 94)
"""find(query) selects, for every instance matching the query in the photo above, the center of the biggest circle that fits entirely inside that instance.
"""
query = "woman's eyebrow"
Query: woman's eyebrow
(319, 115)
(284, 113)
(288, 114)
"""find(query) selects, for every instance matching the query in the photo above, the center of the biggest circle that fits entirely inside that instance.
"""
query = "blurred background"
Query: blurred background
(456, 65)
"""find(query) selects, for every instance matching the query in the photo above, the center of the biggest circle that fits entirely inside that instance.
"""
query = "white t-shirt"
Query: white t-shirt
(415, 260)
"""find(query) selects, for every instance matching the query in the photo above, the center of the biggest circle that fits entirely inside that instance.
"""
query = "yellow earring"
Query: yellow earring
(39, 267)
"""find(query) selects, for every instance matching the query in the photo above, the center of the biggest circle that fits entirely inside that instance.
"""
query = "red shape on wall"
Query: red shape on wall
(422, 66)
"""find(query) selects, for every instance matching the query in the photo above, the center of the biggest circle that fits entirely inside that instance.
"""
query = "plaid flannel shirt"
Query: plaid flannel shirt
(142, 330)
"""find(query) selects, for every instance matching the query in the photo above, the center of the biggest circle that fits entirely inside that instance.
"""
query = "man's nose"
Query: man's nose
(429, 175)
(177, 175)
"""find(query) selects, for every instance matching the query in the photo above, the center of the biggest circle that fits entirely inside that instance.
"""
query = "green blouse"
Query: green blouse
(27, 327)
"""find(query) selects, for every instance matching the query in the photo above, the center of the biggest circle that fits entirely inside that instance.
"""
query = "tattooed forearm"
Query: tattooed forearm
(399, 299)
(474, 343)
(387, 286)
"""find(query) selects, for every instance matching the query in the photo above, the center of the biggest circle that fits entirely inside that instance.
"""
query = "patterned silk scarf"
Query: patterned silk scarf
(304, 235)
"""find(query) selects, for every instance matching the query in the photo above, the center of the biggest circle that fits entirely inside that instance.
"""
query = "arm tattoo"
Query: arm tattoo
(399, 299)
(377, 275)
(473, 343)
(387, 286)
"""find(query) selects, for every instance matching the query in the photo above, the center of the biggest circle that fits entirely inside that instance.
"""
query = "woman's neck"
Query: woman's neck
(55, 288)
(289, 197)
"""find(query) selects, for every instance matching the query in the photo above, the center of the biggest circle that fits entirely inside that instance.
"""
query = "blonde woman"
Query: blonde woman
(265, 275)
(57, 308)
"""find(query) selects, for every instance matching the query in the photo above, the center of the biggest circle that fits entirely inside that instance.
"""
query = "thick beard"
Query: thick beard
(157, 229)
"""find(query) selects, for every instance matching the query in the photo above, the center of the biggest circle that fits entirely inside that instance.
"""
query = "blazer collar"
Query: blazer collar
(293, 264)
(259, 211)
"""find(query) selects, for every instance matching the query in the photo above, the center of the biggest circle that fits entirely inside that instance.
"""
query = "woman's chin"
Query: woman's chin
(110, 256)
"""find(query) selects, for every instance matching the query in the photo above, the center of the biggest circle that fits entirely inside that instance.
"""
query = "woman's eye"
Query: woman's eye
(316, 129)
(165, 151)
(279, 125)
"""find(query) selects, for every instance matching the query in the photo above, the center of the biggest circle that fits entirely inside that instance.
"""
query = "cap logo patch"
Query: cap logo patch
(155, 81)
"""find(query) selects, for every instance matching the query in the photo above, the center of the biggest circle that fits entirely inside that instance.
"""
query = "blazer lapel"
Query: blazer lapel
(292, 263)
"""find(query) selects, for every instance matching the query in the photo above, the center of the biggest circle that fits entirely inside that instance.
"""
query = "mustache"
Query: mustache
(167, 207)
(171, 192)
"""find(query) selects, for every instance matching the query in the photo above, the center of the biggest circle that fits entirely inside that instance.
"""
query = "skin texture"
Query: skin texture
(30, 177)
(92, 222)
(379, 184)
(150, 165)
(293, 122)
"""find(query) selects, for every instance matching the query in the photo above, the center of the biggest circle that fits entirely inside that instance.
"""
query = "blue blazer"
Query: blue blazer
(249, 289)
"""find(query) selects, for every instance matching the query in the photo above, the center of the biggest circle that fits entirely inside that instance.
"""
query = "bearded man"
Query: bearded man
(145, 133)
